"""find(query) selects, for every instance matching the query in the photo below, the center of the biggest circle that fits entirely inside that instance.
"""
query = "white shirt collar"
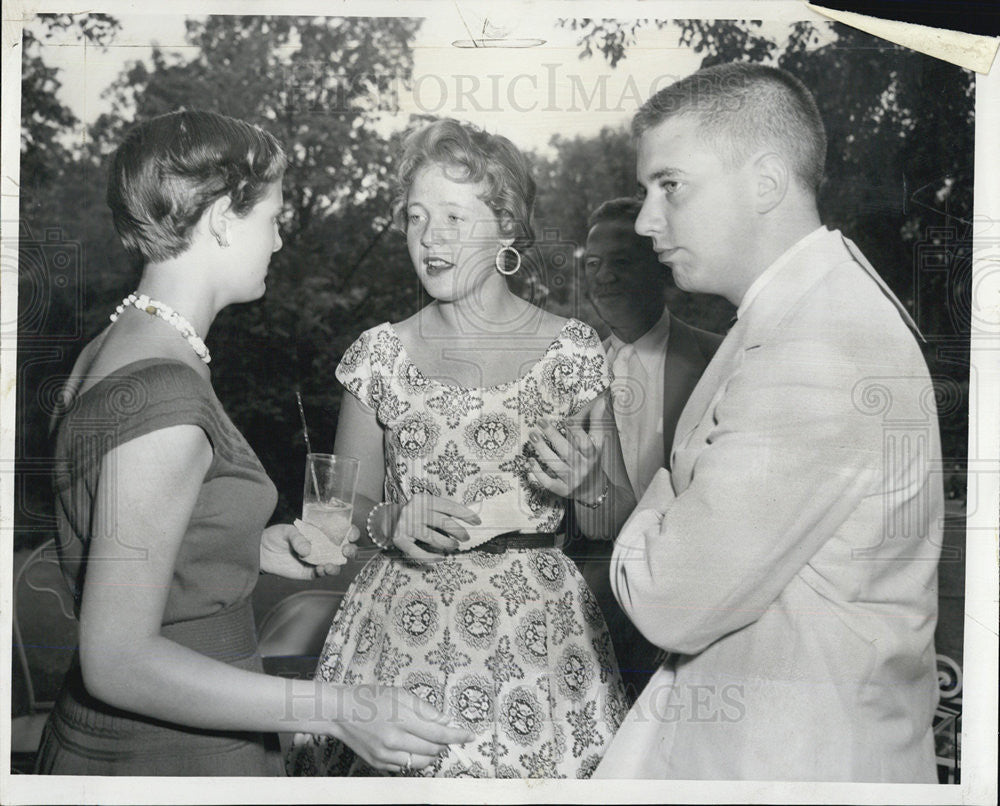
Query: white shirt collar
(769, 273)
(650, 346)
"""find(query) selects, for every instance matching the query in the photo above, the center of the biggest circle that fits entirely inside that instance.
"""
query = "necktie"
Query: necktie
(629, 392)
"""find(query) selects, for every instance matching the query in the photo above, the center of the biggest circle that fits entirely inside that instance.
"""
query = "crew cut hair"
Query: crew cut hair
(169, 169)
(742, 108)
(470, 154)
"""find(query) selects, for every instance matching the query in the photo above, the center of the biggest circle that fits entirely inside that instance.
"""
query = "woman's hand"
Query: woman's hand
(429, 521)
(568, 465)
(283, 550)
(392, 729)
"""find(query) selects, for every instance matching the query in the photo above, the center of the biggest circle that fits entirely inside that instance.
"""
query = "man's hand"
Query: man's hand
(569, 464)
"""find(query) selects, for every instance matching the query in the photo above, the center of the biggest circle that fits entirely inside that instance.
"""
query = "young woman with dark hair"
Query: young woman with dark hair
(162, 504)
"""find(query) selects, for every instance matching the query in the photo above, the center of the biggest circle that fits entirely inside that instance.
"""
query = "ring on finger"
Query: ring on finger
(409, 762)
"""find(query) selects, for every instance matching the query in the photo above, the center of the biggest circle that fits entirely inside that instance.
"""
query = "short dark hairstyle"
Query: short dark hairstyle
(742, 107)
(479, 157)
(625, 209)
(169, 169)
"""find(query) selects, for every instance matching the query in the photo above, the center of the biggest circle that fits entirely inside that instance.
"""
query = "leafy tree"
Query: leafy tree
(51, 183)
(715, 38)
(53, 192)
(584, 172)
(319, 84)
(44, 119)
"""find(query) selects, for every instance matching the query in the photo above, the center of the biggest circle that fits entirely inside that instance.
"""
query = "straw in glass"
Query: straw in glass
(305, 434)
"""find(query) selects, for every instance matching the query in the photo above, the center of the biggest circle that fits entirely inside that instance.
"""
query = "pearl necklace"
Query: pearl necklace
(168, 315)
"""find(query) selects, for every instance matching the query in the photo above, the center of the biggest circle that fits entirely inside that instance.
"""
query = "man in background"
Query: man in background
(656, 359)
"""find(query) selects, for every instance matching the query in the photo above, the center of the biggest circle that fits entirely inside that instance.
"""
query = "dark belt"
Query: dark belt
(503, 542)
(518, 540)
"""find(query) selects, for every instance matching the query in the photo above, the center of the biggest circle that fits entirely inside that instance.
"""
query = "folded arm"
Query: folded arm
(783, 464)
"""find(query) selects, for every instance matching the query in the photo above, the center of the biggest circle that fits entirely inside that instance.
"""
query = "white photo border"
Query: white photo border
(979, 745)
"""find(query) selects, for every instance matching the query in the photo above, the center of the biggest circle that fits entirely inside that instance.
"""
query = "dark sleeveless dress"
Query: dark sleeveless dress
(208, 606)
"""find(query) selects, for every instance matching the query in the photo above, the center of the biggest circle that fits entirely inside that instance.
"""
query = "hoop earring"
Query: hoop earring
(500, 261)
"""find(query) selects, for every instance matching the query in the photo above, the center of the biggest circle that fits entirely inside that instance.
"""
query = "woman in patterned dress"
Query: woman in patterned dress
(467, 418)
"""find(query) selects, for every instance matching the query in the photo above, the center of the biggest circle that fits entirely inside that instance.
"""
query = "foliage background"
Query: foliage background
(899, 183)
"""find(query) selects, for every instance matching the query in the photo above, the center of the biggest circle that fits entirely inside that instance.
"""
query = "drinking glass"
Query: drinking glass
(328, 496)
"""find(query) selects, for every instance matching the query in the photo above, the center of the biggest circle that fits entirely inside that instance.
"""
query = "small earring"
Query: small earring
(221, 240)
(500, 261)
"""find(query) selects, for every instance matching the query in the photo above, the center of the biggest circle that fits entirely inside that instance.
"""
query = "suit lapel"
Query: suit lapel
(752, 326)
(682, 367)
(765, 313)
(721, 366)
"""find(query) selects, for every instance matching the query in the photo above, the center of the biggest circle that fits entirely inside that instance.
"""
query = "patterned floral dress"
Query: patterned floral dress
(513, 645)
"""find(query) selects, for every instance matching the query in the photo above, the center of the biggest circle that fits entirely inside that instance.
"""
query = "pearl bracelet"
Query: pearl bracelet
(371, 532)
(600, 498)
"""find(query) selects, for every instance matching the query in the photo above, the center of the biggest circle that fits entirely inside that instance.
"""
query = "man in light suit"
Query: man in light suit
(657, 359)
(788, 560)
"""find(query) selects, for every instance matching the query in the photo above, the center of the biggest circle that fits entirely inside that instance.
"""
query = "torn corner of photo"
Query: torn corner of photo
(971, 51)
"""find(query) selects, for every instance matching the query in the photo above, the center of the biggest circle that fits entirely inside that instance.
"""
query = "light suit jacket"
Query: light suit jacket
(689, 350)
(789, 558)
